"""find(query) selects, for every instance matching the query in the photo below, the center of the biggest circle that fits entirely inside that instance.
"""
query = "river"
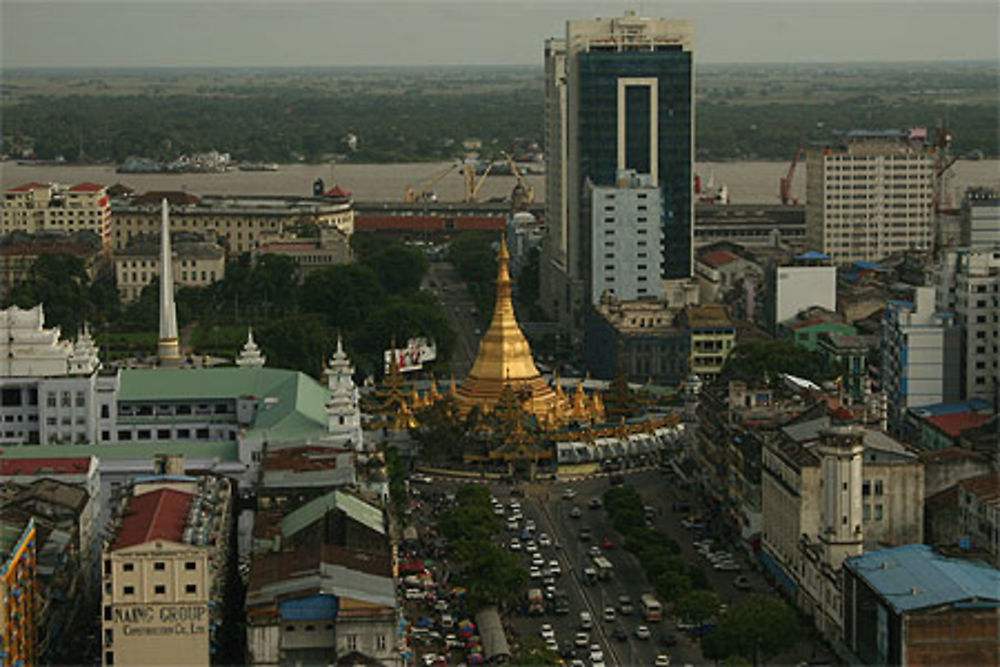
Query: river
(748, 182)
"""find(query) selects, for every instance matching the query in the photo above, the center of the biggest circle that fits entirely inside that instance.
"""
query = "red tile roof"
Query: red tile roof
(720, 258)
(47, 466)
(337, 191)
(985, 487)
(86, 187)
(157, 515)
(954, 424)
(27, 187)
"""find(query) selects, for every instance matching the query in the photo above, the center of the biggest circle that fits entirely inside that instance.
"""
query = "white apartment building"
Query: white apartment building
(980, 219)
(626, 238)
(968, 285)
(870, 195)
(34, 207)
(791, 288)
(920, 356)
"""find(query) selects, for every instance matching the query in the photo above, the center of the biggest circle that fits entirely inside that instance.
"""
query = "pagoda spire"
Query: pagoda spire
(168, 350)
(250, 354)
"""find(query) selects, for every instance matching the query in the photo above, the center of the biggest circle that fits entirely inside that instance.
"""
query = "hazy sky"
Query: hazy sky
(472, 32)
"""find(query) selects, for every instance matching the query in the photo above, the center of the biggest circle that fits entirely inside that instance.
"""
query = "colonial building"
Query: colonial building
(35, 207)
(195, 264)
(712, 336)
(165, 568)
(331, 248)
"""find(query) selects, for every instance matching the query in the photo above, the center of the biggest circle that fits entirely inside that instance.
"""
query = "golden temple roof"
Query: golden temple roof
(504, 359)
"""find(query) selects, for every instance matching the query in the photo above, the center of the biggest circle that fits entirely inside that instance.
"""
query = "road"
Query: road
(464, 320)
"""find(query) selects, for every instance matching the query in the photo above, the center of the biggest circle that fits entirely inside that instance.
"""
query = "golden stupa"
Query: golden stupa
(504, 360)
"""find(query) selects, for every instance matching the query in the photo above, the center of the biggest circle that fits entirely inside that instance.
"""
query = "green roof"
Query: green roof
(293, 405)
(316, 509)
(194, 449)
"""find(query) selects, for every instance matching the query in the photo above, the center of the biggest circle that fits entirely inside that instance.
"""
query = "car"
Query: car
(515, 545)
(544, 540)
(596, 656)
(552, 645)
(742, 583)
(662, 660)
(595, 503)
(642, 632)
(625, 606)
(594, 550)
(530, 546)
(577, 663)
(554, 568)
(728, 566)
(582, 639)
(415, 594)
(569, 494)
(516, 516)
(567, 650)
(535, 573)
(514, 506)
(609, 614)
(529, 525)
(668, 639)
(537, 559)
(498, 510)
(575, 512)
(586, 622)
(607, 543)
(452, 642)
(511, 524)
(585, 533)
(546, 631)
(619, 634)
(421, 478)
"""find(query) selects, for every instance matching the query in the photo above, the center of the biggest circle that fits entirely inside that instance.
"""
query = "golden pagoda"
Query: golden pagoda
(504, 360)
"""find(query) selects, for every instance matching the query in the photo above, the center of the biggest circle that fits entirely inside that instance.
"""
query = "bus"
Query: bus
(652, 610)
(536, 603)
(604, 567)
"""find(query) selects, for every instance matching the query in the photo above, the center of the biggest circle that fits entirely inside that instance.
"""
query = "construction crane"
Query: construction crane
(471, 184)
(426, 193)
(785, 186)
(523, 193)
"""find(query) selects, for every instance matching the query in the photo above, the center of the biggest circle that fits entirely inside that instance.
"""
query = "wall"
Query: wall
(799, 287)
(952, 637)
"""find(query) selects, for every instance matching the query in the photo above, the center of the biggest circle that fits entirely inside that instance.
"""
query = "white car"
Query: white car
(662, 660)
(582, 639)
(547, 632)
(642, 632)
(535, 573)
(552, 645)
(544, 540)
(529, 525)
(530, 546)
(569, 494)
(515, 545)
(594, 550)
(596, 656)
(512, 524)
(421, 479)
(554, 568)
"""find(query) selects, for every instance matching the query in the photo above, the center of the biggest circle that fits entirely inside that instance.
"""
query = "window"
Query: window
(866, 512)
(878, 512)
(878, 487)
(191, 588)
(104, 411)
(351, 642)
(50, 399)
(866, 488)
(160, 589)
(129, 590)
(159, 565)
(127, 567)
(163, 433)
(107, 612)
(109, 636)
(380, 642)
(80, 400)
(190, 565)
(144, 434)
(124, 435)
(65, 400)
(109, 657)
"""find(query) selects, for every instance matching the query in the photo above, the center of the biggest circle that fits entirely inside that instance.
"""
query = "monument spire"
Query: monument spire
(168, 350)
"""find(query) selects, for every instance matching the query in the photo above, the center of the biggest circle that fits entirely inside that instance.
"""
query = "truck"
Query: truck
(604, 567)
(536, 603)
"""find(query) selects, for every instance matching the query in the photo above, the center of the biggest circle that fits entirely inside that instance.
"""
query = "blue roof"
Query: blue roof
(917, 577)
(974, 404)
(869, 265)
(812, 254)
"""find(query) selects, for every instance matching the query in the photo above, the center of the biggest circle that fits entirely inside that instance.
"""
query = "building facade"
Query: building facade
(196, 264)
(979, 226)
(164, 571)
(968, 285)
(619, 95)
(712, 337)
(35, 207)
(920, 356)
(331, 248)
(979, 503)
(19, 591)
(870, 195)
(808, 281)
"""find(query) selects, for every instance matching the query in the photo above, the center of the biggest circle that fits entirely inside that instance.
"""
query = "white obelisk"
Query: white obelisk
(168, 350)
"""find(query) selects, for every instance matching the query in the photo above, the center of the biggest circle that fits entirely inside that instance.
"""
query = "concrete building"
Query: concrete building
(625, 238)
(751, 225)
(241, 224)
(727, 273)
(920, 356)
(195, 264)
(979, 503)
(19, 591)
(870, 194)
(807, 327)
(968, 285)
(51, 390)
(912, 606)
(165, 568)
(980, 219)
(791, 287)
(712, 337)
(852, 355)
(619, 95)
(940, 426)
(35, 207)
(331, 248)
(643, 333)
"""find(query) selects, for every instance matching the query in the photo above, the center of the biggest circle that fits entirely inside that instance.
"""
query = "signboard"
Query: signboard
(163, 620)
(417, 352)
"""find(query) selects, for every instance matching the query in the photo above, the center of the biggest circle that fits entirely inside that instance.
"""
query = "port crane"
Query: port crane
(523, 193)
(785, 185)
(426, 193)
(471, 184)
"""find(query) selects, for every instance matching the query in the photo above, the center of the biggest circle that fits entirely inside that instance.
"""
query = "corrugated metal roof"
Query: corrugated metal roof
(937, 409)
(142, 451)
(915, 577)
(317, 508)
(158, 515)
(75, 465)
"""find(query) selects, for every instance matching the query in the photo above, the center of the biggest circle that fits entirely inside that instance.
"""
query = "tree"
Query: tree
(440, 434)
(274, 285)
(755, 360)
(60, 283)
(400, 269)
(345, 295)
(468, 522)
(697, 606)
(672, 585)
(300, 342)
(760, 627)
(490, 574)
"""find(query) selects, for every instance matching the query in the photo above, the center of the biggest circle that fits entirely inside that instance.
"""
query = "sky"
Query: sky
(325, 33)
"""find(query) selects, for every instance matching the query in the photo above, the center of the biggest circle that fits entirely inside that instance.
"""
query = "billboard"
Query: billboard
(417, 352)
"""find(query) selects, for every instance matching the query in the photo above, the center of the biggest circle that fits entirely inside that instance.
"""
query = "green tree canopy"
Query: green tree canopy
(60, 283)
(759, 627)
(756, 360)
(697, 606)
(300, 342)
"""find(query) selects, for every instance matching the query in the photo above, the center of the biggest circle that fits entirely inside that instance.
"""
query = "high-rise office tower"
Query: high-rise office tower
(619, 111)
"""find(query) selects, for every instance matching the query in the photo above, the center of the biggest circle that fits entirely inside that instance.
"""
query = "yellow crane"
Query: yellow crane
(410, 195)
(523, 193)
(471, 184)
